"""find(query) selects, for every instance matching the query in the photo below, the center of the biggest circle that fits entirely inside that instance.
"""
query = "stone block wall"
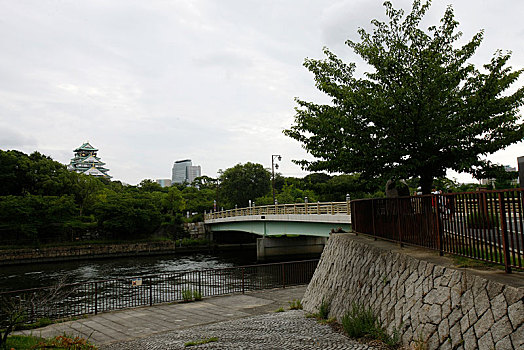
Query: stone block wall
(447, 307)
(83, 251)
(197, 230)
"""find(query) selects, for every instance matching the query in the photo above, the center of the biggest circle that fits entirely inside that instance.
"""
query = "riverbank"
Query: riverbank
(101, 251)
(238, 321)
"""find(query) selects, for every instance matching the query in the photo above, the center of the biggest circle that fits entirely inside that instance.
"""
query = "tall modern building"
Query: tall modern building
(185, 172)
(164, 182)
(86, 162)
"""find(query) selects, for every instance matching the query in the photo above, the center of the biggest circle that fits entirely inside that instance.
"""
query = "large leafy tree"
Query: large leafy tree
(242, 183)
(420, 110)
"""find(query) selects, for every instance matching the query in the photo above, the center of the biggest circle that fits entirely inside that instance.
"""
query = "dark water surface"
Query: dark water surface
(47, 274)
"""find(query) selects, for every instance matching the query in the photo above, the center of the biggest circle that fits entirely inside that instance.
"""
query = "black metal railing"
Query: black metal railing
(77, 299)
(484, 225)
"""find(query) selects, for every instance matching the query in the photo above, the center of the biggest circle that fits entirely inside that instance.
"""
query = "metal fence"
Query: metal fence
(486, 225)
(100, 296)
(326, 208)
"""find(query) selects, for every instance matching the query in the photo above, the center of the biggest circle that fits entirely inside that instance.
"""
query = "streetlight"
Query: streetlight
(273, 166)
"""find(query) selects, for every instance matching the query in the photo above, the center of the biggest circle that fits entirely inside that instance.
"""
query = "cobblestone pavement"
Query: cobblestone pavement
(283, 330)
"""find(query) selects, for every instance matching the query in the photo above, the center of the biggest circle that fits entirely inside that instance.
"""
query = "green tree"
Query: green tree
(420, 110)
(85, 189)
(129, 215)
(174, 202)
(148, 185)
(242, 183)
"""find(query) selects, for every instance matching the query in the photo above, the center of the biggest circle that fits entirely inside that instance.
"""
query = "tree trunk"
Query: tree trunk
(426, 182)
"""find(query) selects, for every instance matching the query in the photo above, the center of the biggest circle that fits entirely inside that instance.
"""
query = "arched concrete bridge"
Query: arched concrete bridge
(285, 229)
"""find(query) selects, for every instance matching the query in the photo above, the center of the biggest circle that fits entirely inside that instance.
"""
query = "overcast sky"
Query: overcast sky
(151, 82)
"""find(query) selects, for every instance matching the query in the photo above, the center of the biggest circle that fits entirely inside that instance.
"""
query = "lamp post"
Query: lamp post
(273, 166)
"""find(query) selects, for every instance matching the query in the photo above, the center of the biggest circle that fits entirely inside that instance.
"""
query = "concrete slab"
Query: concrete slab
(142, 322)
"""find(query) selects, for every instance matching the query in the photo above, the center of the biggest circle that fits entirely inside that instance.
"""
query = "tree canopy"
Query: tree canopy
(242, 183)
(421, 109)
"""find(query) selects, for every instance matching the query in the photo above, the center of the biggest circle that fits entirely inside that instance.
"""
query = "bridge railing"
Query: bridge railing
(326, 208)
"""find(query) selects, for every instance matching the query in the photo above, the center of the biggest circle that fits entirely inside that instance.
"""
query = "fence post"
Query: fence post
(440, 235)
(200, 282)
(243, 281)
(283, 276)
(373, 218)
(399, 226)
(504, 232)
(150, 291)
(96, 298)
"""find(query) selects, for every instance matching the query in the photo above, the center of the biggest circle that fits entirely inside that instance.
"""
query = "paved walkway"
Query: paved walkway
(238, 321)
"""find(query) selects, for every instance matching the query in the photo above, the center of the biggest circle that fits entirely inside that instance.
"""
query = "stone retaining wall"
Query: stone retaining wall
(82, 252)
(196, 230)
(447, 307)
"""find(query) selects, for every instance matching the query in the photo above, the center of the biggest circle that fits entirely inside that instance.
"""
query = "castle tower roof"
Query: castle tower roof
(86, 162)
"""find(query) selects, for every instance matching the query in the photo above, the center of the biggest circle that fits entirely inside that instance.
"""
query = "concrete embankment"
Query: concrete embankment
(420, 294)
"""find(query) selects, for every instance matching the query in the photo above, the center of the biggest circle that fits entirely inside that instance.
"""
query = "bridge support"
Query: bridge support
(269, 248)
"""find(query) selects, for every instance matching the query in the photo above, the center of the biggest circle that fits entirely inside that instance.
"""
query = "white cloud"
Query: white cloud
(152, 82)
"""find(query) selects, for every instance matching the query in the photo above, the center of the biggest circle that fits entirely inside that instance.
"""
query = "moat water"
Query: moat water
(47, 274)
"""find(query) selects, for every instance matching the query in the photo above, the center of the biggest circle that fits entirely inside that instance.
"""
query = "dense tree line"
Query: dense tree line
(41, 201)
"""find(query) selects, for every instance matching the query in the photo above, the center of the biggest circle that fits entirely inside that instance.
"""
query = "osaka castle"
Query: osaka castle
(86, 162)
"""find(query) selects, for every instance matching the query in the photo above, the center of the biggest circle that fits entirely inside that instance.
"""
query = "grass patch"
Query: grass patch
(485, 253)
(41, 322)
(59, 342)
(22, 342)
(200, 342)
(361, 322)
(280, 309)
(296, 304)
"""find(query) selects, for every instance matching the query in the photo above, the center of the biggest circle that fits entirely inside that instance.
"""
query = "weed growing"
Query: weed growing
(296, 304)
(197, 295)
(323, 310)
(280, 309)
(361, 322)
(200, 342)
(187, 295)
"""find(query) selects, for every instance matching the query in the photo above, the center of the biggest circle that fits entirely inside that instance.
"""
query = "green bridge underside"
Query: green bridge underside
(278, 228)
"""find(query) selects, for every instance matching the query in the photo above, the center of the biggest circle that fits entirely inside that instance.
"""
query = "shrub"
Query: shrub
(361, 322)
(187, 295)
(197, 295)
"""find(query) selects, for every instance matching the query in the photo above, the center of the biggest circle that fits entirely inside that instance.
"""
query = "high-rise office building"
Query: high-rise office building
(193, 172)
(185, 172)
